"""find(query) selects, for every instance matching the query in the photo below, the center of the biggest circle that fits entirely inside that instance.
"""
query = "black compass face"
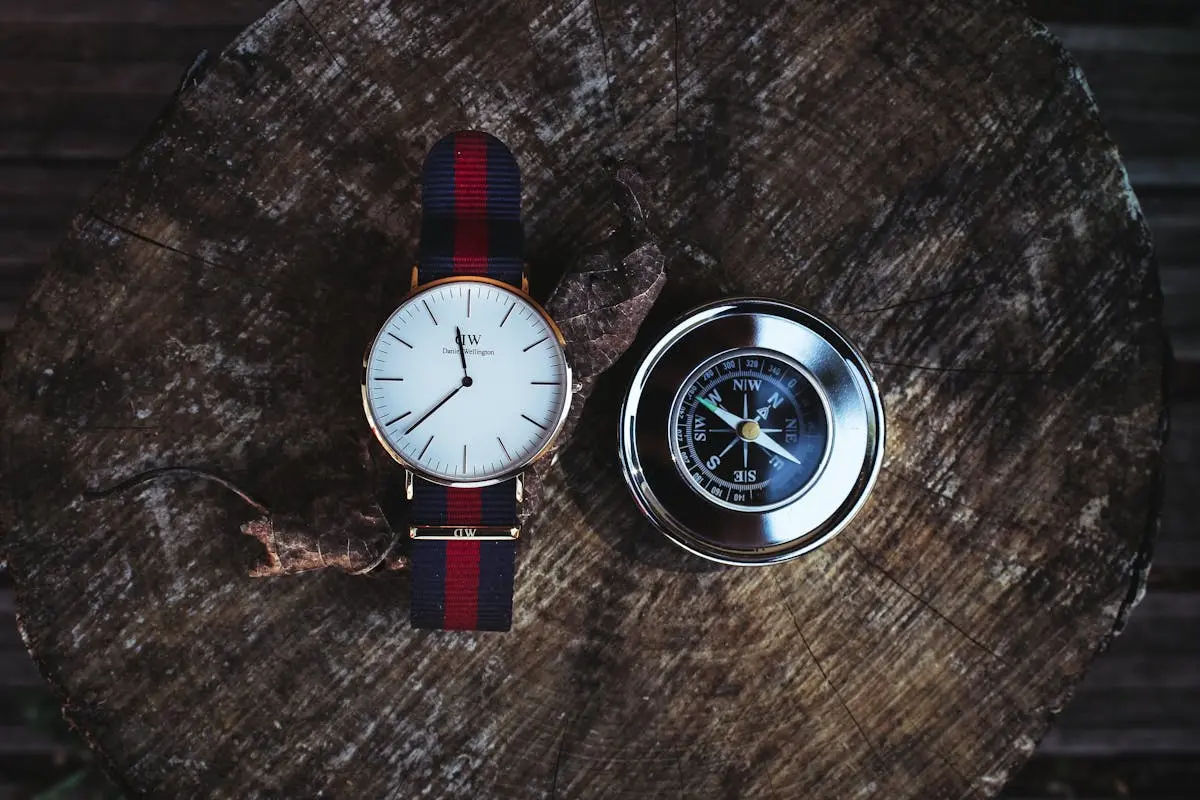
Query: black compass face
(750, 431)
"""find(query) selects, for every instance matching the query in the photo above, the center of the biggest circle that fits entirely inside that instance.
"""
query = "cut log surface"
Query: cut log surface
(933, 177)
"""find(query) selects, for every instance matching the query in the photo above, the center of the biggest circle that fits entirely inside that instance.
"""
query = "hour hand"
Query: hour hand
(732, 420)
(462, 356)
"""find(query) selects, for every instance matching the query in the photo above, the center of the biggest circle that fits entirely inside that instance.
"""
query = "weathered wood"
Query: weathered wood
(935, 178)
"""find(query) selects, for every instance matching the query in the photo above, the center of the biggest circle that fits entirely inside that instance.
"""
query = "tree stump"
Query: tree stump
(933, 177)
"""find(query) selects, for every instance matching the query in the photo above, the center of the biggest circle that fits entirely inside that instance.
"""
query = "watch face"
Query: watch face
(467, 381)
(749, 430)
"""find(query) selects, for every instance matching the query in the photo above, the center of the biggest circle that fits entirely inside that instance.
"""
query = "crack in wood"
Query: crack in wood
(783, 598)
(675, 64)
(965, 370)
(919, 300)
(604, 58)
(558, 758)
(141, 237)
(927, 605)
(337, 60)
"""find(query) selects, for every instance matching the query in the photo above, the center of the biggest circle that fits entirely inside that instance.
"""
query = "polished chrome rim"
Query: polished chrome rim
(809, 518)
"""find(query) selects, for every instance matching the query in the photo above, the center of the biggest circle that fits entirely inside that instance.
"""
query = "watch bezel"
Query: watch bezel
(521, 466)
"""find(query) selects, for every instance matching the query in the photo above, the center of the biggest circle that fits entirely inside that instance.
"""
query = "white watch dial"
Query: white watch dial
(472, 423)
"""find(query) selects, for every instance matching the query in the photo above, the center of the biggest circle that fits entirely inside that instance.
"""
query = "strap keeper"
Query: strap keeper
(478, 533)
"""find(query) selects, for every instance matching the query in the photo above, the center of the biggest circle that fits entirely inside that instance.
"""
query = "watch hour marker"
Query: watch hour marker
(468, 303)
(510, 310)
(505, 449)
(535, 344)
(535, 422)
(426, 447)
(464, 458)
(431, 316)
(389, 379)
(539, 383)
(397, 419)
(401, 341)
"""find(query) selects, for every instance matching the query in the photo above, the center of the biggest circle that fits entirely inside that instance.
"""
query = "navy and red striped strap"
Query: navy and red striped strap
(471, 210)
(471, 225)
(463, 584)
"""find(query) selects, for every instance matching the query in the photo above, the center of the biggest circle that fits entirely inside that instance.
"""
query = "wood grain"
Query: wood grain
(934, 178)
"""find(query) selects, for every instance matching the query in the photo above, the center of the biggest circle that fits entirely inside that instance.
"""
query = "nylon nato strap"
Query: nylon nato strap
(471, 225)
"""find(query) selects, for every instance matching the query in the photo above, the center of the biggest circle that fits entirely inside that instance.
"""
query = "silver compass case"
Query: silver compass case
(839, 470)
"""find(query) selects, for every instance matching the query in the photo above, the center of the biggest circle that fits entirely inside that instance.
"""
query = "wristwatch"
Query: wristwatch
(465, 385)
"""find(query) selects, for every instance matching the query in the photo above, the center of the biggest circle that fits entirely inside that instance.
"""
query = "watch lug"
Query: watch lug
(408, 484)
(412, 286)
(520, 487)
(524, 282)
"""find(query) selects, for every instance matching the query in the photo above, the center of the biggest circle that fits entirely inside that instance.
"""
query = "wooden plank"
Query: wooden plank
(1154, 174)
(1098, 741)
(109, 42)
(70, 145)
(10, 637)
(1144, 708)
(1150, 102)
(1165, 624)
(156, 12)
(1157, 41)
(40, 211)
(1109, 777)
(1174, 218)
(16, 670)
(1178, 544)
(39, 120)
(1134, 13)
(23, 77)
(23, 246)
(27, 178)
(1121, 671)
(19, 740)
(1181, 309)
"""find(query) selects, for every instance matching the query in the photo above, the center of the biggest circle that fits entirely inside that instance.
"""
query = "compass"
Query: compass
(752, 431)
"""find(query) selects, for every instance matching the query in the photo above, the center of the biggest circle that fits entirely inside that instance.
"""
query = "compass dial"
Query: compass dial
(750, 431)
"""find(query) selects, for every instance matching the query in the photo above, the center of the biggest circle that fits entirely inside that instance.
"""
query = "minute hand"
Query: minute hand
(429, 413)
(767, 443)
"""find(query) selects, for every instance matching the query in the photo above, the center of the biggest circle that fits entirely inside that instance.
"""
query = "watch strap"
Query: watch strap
(471, 225)
(463, 583)
(471, 210)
